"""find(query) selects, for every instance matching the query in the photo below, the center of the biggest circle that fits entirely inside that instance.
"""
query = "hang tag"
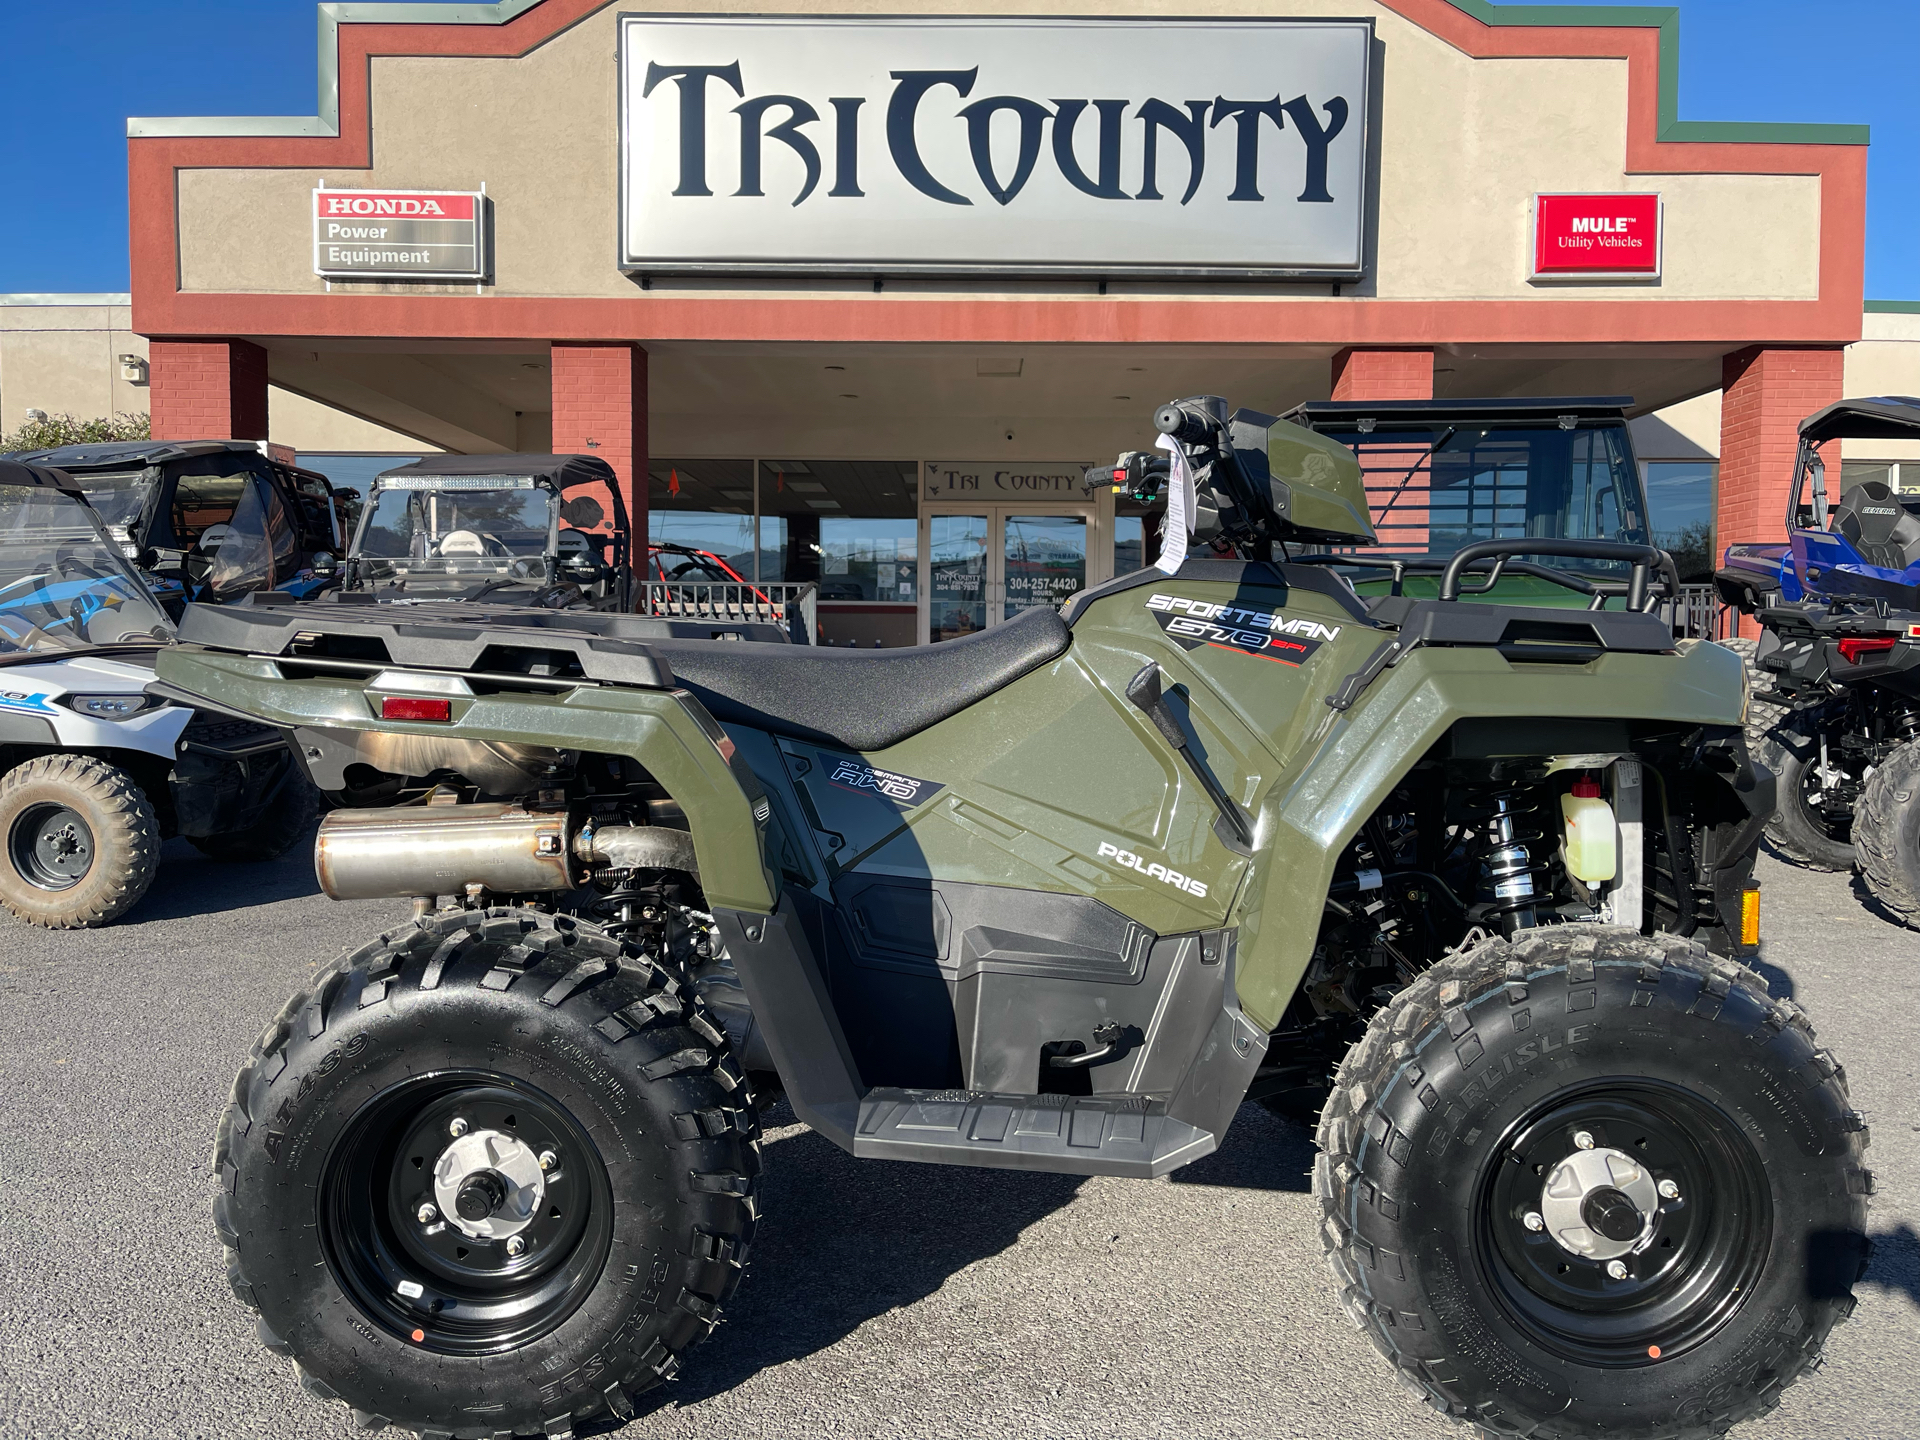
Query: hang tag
(1177, 532)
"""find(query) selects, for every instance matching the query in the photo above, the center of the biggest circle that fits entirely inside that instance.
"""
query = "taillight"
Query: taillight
(415, 707)
(1854, 646)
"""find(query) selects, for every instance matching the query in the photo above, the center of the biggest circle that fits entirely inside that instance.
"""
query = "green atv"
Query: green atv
(1059, 896)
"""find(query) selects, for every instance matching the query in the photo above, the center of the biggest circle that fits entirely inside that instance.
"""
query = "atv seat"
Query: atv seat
(1872, 520)
(860, 699)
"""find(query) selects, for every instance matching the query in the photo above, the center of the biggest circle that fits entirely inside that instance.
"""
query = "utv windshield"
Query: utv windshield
(457, 525)
(63, 584)
(1435, 489)
(120, 497)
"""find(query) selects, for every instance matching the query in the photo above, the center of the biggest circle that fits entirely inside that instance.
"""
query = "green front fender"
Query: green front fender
(659, 730)
(1356, 758)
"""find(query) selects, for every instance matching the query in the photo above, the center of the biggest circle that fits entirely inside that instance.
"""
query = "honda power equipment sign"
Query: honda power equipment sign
(1088, 147)
(399, 235)
(1596, 237)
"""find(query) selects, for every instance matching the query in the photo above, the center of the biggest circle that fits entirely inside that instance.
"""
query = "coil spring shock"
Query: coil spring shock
(1506, 823)
(1902, 720)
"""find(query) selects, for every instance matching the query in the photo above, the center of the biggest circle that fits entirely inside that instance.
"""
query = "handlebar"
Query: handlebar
(1642, 557)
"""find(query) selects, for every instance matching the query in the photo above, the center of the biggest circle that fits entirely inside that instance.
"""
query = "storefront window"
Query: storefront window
(1129, 544)
(957, 570)
(868, 559)
(1046, 560)
(1680, 514)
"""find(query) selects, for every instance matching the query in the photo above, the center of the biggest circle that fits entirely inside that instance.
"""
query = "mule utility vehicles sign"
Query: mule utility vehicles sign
(498, 1171)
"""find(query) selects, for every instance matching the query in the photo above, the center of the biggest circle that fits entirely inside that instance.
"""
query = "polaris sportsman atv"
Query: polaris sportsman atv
(210, 520)
(94, 772)
(1058, 896)
(548, 531)
(1836, 671)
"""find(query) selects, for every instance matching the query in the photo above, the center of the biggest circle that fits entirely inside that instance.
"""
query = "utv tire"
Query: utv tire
(1886, 832)
(566, 1058)
(1762, 715)
(81, 842)
(1791, 749)
(290, 817)
(1456, 1122)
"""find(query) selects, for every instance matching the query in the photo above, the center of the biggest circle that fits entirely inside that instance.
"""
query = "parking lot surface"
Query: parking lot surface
(883, 1300)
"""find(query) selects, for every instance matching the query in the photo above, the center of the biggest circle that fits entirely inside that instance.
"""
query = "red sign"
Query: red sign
(399, 234)
(1576, 236)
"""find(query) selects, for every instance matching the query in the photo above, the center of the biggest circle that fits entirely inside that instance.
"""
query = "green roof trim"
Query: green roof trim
(1893, 307)
(1664, 18)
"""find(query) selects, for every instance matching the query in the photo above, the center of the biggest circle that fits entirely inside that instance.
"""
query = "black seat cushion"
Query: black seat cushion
(860, 699)
(1874, 521)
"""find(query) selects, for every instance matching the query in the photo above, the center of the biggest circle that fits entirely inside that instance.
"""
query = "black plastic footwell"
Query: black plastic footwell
(1072, 1134)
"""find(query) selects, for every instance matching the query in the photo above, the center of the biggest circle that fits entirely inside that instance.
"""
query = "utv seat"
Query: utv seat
(860, 699)
(1872, 519)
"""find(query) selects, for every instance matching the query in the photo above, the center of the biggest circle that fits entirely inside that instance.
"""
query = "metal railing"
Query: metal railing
(792, 604)
(1701, 615)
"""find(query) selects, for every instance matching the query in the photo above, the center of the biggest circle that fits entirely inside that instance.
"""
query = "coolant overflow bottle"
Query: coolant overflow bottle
(1591, 842)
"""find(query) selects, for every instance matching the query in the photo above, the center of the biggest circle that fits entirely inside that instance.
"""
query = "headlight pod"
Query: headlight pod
(110, 707)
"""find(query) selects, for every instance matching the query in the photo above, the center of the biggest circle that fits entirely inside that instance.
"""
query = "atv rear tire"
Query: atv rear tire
(1886, 832)
(1443, 1182)
(286, 821)
(1791, 750)
(80, 842)
(1762, 715)
(624, 1152)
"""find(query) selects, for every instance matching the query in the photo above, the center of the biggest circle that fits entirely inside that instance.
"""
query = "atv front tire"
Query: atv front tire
(493, 1174)
(80, 842)
(1799, 829)
(1886, 833)
(270, 837)
(1593, 1183)
(1762, 715)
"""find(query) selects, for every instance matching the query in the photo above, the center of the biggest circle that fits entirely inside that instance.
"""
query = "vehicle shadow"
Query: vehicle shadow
(1896, 1263)
(1260, 1151)
(845, 1242)
(189, 883)
(1779, 981)
(1872, 903)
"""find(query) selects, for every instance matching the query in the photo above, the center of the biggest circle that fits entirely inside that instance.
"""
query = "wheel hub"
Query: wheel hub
(1600, 1204)
(489, 1184)
(52, 847)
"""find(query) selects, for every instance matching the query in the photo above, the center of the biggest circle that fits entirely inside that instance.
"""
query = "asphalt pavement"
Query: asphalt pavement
(882, 1300)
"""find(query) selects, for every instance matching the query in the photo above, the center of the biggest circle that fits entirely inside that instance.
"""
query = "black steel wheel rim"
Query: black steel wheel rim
(429, 1282)
(1707, 1249)
(51, 846)
(1828, 809)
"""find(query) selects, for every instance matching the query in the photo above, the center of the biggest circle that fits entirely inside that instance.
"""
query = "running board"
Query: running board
(1069, 1134)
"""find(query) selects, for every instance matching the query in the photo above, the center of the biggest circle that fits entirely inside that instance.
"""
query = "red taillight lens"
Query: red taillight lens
(415, 707)
(1854, 646)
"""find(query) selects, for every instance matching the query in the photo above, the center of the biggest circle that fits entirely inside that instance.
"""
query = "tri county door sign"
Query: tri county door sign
(793, 144)
(1597, 237)
(399, 234)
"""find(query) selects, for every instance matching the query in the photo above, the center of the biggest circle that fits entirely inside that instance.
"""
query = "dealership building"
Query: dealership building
(855, 299)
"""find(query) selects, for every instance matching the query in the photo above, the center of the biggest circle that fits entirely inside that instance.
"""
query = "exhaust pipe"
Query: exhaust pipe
(442, 850)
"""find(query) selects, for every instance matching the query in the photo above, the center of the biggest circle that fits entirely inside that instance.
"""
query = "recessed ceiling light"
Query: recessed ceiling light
(1136, 369)
(836, 367)
(1004, 368)
(738, 494)
(824, 504)
(787, 467)
(849, 397)
(807, 487)
(1123, 397)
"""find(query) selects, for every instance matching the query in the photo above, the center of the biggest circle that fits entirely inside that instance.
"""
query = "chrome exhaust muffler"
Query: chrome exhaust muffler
(442, 849)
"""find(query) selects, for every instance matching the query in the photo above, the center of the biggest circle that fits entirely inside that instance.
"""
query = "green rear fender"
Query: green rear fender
(1351, 764)
(668, 733)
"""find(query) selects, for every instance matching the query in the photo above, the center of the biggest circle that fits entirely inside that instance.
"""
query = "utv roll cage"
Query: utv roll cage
(1880, 417)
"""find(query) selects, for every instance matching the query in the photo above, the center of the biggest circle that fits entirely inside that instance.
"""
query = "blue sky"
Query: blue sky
(76, 71)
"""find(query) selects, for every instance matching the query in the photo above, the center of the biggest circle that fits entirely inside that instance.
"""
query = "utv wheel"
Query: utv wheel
(1762, 715)
(1593, 1183)
(1810, 825)
(1886, 832)
(289, 819)
(81, 842)
(492, 1175)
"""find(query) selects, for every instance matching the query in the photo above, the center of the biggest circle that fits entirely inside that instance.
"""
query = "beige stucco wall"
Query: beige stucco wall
(63, 357)
(1465, 144)
(1886, 361)
(309, 426)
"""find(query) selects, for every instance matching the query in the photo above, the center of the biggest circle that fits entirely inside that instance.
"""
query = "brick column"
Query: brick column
(600, 408)
(1767, 394)
(1383, 375)
(208, 389)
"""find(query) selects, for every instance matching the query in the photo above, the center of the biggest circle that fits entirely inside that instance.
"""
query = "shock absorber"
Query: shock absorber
(1507, 824)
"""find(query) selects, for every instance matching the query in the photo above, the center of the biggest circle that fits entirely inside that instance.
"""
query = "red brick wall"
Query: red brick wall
(1767, 393)
(208, 389)
(1383, 375)
(600, 408)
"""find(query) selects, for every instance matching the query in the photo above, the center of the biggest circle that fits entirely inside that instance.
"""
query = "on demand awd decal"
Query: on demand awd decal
(1266, 633)
(901, 789)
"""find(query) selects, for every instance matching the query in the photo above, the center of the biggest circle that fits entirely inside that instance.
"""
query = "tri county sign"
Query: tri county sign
(798, 144)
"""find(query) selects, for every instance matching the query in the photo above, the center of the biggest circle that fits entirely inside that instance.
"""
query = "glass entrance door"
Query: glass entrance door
(985, 564)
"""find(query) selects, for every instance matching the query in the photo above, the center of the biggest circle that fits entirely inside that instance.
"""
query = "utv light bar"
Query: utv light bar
(456, 482)
(415, 707)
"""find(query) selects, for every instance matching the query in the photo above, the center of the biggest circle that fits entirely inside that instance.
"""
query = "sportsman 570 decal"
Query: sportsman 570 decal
(1267, 633)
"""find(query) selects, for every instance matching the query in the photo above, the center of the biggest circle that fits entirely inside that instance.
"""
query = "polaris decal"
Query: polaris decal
(19, 700)
(1267, 633)
(901, 789)
(1154, 871)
